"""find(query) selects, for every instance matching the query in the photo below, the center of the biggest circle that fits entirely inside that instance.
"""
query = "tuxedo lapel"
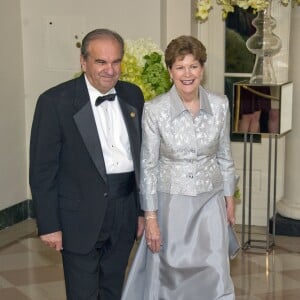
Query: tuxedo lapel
(85, 122)
(130, 115)
(84, 119)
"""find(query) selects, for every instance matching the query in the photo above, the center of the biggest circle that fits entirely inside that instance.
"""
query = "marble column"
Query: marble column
(289, 206)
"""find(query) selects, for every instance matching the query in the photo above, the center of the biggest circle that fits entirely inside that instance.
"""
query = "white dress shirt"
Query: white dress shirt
(112, 132)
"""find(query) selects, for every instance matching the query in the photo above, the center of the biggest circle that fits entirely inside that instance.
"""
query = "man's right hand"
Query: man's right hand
(53, 240)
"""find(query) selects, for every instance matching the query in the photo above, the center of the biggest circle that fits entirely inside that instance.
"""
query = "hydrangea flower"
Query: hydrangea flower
(143, 65)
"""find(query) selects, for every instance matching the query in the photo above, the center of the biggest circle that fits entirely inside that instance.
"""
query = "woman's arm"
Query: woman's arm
(149, 175)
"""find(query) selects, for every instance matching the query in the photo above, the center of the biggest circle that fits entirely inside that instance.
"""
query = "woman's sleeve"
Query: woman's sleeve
(149, 159)
(224, 155)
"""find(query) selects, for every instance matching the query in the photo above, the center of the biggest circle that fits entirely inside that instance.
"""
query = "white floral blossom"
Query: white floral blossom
(204, 6)
(140, 48)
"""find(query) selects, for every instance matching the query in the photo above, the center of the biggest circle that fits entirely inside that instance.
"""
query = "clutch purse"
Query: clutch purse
(234, 243)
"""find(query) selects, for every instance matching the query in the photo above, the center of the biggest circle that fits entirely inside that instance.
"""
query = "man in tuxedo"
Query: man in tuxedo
(84, 170)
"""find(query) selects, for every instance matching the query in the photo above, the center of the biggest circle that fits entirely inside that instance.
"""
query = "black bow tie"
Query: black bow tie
(109, 97)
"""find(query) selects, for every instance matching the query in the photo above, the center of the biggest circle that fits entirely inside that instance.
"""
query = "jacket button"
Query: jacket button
(191, 175)
(105, 195)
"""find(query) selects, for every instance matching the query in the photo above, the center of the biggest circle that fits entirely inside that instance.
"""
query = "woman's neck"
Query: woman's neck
(191, 103)
(189, 97)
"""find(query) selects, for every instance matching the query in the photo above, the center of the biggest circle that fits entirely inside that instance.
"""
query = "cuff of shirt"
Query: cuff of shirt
(230, 186)
(149, 202)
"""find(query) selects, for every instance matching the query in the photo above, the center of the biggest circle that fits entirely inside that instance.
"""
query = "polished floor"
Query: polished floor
(31, 271)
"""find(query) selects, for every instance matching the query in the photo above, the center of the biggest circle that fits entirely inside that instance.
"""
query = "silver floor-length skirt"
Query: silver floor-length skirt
(193, 263)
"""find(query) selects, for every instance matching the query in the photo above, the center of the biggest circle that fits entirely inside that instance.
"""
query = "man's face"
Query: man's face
(103, 63)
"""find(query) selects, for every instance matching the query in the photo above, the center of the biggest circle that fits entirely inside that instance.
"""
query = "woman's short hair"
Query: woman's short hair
(99, 34)
(183, 45)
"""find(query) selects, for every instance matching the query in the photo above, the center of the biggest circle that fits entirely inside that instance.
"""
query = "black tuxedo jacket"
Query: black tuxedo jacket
(67, 171)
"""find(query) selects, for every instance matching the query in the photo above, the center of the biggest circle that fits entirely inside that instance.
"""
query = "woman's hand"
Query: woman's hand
(230, 209)
(152, 232)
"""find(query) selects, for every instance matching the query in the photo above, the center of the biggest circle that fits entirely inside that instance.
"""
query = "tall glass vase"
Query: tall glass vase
(264, 44)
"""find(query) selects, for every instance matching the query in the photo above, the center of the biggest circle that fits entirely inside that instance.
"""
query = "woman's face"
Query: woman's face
(186, 74)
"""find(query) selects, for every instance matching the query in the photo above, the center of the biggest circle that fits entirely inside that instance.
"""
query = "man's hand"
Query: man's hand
(53, 240)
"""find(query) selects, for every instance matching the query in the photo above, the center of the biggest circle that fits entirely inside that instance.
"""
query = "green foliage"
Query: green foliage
(156, 74)
(238, 58)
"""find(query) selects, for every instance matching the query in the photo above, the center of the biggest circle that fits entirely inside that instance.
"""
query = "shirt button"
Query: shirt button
(105, 195)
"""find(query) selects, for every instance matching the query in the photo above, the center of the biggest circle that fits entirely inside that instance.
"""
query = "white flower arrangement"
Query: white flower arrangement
(140, 48)
(204, 6)
(144, 66)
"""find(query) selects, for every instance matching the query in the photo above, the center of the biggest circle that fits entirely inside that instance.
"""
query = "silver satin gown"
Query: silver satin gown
(186, 171)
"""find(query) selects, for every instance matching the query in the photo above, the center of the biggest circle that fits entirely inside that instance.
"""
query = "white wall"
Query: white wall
(13, 172)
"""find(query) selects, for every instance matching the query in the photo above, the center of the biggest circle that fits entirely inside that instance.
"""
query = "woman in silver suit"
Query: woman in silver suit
(187, 187)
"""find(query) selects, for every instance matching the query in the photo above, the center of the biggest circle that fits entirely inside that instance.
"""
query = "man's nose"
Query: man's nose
(109, 69)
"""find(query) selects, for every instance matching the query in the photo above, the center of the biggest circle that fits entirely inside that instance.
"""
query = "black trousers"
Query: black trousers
(99, 274)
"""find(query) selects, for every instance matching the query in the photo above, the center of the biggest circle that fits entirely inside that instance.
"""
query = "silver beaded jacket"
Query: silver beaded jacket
(182, 154)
